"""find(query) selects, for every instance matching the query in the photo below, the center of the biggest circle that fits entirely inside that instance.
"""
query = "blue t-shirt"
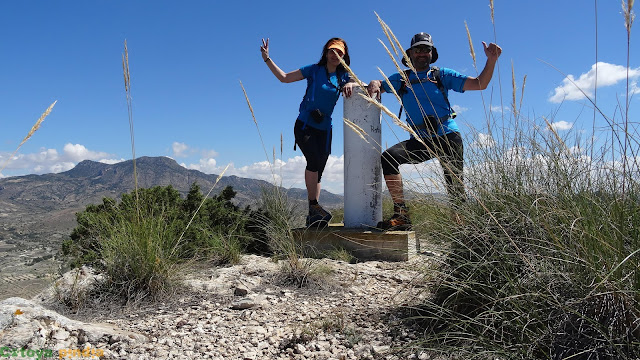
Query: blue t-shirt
(429, 97)
(322, 94)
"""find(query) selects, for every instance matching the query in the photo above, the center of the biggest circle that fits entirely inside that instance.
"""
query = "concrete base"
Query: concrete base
(361, 244)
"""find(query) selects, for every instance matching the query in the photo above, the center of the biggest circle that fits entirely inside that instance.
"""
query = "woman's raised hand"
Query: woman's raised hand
(265, 49)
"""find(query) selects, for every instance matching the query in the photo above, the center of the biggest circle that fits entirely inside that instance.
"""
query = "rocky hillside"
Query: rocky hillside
(245, 312)
(89, 181)
(39, 206)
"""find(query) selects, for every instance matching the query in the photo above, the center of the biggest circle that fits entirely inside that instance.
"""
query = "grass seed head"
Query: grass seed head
(513, 93)
(629, 16)
(524, 81)
(491, 7)
(473, 53)
(34, 128)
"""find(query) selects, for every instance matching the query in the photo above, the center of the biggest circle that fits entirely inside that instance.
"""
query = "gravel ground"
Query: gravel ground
(247, 311)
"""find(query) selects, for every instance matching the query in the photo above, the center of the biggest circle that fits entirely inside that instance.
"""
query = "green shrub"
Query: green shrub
(217, 219)
(141, 246)
(139, 260)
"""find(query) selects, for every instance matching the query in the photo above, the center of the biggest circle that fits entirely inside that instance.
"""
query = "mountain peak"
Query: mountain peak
(86, 168)
(90, 168)
(156, 160)
(90, 181)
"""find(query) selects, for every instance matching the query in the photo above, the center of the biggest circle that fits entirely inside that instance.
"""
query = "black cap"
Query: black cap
(422, 39)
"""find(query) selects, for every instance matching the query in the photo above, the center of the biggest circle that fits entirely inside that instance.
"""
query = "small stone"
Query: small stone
(242, 304)
(61, 334)
(250, 356)
(181, 323)
(240, 290)
(380, 349)
(299, 349)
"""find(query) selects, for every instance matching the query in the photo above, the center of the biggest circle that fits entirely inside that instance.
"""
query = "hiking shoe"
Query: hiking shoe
(399, 222)
(318, 216)
(316, 221)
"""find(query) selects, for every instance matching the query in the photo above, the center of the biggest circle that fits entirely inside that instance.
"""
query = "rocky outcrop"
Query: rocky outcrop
(72, 289)
(26, 325)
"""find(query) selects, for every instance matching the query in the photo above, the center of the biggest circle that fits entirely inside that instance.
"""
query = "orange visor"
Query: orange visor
(337, 44)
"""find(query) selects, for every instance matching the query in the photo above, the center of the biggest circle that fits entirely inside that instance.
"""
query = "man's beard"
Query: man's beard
(422, 63)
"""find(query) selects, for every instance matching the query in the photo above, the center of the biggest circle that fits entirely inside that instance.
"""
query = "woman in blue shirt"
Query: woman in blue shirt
(325, 81)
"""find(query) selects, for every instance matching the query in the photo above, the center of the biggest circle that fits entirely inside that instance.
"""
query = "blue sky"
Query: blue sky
(187, 59)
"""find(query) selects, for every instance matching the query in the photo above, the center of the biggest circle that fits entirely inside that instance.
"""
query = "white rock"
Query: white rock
(242, 304)
(250, 356)
(71, 288)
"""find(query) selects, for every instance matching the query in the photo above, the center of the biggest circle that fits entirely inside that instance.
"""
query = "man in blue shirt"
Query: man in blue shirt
(430, 116)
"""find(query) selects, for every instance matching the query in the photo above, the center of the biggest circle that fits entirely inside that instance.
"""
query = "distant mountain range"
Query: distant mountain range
(47, 203)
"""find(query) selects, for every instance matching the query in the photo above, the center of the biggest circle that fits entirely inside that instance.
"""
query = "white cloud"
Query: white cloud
(208, 153)
(51, 161)
(207, 166)
(182, 150)
(111, 161)
(500, 109)
(459, 109)
(45, 155)
(38, 161)
(426, 177)
(179, 149)
(484, 141)
(561, 125)
(608, 75)
(77, 153)
(287, 173)
(540, 171)
(60, 167)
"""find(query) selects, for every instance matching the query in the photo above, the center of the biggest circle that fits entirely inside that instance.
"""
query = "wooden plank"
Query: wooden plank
(362, 244)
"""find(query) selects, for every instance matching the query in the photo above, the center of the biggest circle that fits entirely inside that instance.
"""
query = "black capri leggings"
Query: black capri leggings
(315, 144)
(447, 149)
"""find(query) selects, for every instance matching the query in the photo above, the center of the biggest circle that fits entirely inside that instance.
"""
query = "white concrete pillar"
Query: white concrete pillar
(362, 169)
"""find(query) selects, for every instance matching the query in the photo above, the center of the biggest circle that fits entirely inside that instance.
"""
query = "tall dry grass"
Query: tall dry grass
(127, 89)
(629, 16)
(547, 262)
(277, 217)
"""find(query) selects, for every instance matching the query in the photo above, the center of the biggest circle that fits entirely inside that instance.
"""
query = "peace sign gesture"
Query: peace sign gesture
(265, 49)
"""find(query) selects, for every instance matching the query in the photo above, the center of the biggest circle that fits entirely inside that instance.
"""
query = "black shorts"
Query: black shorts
(448, 149)
(315, 144)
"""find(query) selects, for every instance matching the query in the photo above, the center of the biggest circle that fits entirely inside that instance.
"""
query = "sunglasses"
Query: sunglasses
(422, 49)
